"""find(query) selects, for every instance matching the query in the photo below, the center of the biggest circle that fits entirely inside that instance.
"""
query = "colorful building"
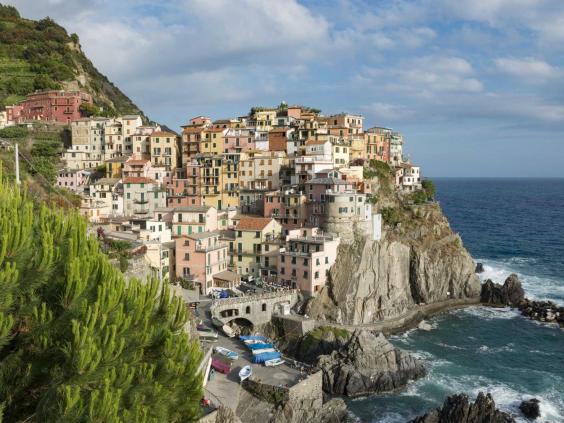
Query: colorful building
(305, 259)
(142, 196)
(164, 150)
(187, 220)
(250, 235)
(53, 106)
(199, 257)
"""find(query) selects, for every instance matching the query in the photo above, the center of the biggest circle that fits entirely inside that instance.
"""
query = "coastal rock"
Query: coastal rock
(368, 363)
(423, 325)
(530, 408)
(458, 409)
(333, 411)
(374, 281)
(543, 311)
(511, 293)
(479, 268)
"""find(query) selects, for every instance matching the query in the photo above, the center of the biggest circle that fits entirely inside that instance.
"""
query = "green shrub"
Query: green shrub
(429, 188)
(418, 197)
(391, 216)
(13, 132)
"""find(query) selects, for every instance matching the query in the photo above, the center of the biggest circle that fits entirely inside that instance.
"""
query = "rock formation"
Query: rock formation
(358, 364)
(530, 408)
(458, 409)
(479, 268)
(511, 293)
(420, 261)
(543, 311)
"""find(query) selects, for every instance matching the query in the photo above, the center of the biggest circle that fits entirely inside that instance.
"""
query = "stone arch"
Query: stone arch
(244, 323)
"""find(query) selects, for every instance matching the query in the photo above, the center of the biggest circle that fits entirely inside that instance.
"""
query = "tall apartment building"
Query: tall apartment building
(88, 143)
(164, 150)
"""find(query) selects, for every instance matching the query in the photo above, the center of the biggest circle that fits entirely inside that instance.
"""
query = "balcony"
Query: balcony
(207, 248)
(140, 201)
(141, 210)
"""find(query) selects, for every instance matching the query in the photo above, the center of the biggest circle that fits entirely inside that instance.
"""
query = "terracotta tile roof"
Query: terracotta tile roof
(163, 134)
(139, 180)
(253, 223)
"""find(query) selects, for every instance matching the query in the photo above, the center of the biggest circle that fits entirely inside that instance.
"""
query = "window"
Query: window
(306, 273)
(316, 276)
(306, 262)
(248, 310)
(317, 262)
(263, 306)
(257, 234)
(326, 260)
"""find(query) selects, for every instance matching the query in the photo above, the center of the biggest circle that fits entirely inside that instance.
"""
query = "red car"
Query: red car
(221, 366)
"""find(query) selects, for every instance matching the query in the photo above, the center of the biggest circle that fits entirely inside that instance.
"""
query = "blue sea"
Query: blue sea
(510, 225)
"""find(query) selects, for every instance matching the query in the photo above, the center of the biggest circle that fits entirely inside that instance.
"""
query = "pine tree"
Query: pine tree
(78, 343)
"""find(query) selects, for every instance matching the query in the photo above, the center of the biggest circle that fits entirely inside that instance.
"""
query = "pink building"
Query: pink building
(237, 140)
(140, 168)
(53, 106)
(199, 257)
(316, 189)
(288, 207)
(306, 258)
(72, 179)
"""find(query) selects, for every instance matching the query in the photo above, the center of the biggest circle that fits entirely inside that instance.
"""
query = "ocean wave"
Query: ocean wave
(489, 313)
(509, 399)
(506, 348)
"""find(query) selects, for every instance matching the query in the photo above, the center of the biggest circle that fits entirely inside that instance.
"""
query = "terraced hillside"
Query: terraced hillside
(37, 55)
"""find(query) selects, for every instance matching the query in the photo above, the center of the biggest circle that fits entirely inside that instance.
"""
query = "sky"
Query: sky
(476, 87)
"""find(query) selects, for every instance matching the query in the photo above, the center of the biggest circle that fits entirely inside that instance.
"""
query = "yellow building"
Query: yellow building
(264, 118)
(252, 238)
(164, 149)
(212, 141)
(114, 167)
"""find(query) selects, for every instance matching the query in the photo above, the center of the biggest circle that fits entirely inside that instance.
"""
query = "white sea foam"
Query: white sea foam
(508, 399)
(536, 287)
(489, 313)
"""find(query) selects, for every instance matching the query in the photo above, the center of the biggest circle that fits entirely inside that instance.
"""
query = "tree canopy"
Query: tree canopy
(78, 343)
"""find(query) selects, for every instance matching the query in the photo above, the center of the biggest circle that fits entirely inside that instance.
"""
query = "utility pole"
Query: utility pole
(17, 163)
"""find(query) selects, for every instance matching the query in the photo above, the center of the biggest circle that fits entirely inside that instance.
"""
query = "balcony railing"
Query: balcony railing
(207, 248)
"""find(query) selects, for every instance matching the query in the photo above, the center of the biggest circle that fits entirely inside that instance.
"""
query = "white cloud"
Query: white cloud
(528, 68)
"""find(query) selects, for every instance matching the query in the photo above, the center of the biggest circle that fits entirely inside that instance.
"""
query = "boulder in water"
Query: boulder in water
(367, 364)
(480, 268)
(530, 408)
(458, 409)
(423, 325)
(511, 293)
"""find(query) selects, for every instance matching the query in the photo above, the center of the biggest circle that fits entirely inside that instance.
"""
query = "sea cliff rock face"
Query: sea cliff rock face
(422, 261)
(361, 363)
(458, 409)
(511, 293)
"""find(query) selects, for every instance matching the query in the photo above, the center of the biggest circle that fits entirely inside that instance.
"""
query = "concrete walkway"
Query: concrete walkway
(407, 320)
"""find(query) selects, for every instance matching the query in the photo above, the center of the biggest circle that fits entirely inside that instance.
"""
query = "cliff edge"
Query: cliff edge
(419, 260)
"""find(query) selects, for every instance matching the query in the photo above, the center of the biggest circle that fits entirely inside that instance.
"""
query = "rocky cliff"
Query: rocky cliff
(418, 260)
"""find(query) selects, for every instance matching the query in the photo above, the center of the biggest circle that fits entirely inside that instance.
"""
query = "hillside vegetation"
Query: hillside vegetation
(38, 55)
